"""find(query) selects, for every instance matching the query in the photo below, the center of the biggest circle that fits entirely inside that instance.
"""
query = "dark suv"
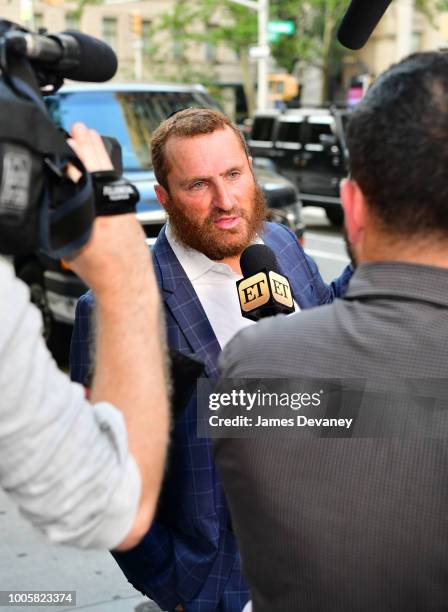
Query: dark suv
(307, 146)
(129, 113)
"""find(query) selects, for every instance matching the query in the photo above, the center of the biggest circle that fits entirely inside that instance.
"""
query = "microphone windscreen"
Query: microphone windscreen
(359, 21)
(255, 258)
(97, 62)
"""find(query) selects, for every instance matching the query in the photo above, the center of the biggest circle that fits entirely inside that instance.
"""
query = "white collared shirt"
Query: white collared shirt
(215, 286)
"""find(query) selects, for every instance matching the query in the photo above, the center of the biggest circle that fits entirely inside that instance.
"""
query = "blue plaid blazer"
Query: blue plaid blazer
(190, 555)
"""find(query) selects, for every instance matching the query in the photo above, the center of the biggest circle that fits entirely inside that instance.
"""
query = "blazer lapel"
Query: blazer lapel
(183, 304)
(292, 264)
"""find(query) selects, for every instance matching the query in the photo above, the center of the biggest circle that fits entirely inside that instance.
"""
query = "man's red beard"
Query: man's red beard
(209, 239)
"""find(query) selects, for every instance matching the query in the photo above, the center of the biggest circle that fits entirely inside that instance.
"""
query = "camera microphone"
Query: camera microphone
(70, 55)
(359, 21)
(263, 292)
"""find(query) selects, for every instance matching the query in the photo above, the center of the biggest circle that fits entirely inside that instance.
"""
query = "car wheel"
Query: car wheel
(56, 335)
(335, 215)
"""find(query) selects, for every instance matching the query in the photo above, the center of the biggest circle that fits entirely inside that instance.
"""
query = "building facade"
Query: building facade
(145, 50)
(150, 50)
(401, 31)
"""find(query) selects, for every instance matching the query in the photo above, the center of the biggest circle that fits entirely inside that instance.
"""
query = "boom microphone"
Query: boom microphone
(263, 292)
(359, 21)
(71, 54)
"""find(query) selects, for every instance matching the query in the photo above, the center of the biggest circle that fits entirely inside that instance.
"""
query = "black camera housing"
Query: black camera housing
(41, 208)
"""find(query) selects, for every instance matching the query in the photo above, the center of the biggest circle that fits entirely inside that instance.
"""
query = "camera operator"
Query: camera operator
(88, 474)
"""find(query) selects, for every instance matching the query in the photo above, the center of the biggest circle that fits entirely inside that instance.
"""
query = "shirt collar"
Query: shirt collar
(195, 263)
(400, 279)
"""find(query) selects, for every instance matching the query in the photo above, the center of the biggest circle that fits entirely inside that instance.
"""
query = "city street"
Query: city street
(324, 243)
(29, 563)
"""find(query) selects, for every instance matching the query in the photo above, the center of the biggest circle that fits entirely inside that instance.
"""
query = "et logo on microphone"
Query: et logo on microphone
(253, 292)
(264, 294)
(281, 290)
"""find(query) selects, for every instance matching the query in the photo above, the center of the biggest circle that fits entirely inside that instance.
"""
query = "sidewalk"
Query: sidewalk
(28, 562)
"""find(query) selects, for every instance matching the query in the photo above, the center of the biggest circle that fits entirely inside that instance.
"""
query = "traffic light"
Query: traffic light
(136, 23)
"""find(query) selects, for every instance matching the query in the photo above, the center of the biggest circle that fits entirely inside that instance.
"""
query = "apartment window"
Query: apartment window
(210, 52)
(146, 35)
(110, 31)
(72, 21)
(38, 19)
(177, 48)
(416, 42)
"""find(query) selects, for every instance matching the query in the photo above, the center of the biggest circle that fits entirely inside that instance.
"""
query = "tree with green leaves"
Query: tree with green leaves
(235, 27)
(211, 22)
(314, 42)
(223, 22)
(430, 8)
(174, 35)
(81, 4)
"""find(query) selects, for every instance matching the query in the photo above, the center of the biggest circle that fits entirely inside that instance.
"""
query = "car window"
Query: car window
(262, 129)
(315, 130)
(289, 131)
(130, 116)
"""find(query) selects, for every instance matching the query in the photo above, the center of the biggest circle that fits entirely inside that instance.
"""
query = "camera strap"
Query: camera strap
(114, 195)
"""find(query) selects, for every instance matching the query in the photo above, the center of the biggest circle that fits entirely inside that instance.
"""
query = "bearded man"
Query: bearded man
(189, 560)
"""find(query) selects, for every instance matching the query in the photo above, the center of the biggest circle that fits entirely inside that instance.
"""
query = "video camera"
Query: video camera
(41, 208)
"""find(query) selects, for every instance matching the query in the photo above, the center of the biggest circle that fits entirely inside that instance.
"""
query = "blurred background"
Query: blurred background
(220, 42)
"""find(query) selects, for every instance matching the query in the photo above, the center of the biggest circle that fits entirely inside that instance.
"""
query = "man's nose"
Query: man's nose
(223, 196)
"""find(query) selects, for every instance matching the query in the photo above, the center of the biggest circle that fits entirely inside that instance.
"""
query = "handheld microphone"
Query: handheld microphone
(69, 55)
(263, 292)
(359, 21)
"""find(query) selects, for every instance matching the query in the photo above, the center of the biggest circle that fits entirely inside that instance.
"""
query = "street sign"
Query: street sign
(259, 52)
(276, 29)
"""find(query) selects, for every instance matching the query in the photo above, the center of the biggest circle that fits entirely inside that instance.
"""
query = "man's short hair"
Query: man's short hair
(187, 123)
(398, 145)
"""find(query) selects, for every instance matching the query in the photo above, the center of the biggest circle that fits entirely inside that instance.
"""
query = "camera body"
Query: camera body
(41, 208)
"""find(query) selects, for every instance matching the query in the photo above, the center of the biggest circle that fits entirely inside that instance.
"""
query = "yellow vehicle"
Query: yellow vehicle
(282, 88)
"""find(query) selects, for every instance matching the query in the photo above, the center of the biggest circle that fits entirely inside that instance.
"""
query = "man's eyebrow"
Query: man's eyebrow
(235, 167)
(193, 179)
(187, 181)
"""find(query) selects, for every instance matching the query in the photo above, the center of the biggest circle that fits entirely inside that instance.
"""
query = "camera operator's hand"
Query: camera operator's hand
(90, 149)
(130, 356)
(111, 259)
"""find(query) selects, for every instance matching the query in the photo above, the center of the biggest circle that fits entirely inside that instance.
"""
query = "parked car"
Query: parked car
(128, 113)
(308, 147)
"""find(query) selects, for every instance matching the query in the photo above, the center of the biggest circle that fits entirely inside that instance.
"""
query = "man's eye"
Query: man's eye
(234, 174)
(197, 185)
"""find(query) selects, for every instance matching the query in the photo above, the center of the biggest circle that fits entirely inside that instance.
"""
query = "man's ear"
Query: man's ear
(162, 194)
(251, 161)
(354, 204)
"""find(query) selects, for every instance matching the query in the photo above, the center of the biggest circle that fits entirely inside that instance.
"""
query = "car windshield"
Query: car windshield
(129, 116)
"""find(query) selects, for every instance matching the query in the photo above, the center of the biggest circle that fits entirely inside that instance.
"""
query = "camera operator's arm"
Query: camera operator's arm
(63, 460)
(129, 361)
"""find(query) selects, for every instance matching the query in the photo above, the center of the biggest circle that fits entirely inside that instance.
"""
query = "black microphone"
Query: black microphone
(359, 21)
(71, 54)
(263, 292)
